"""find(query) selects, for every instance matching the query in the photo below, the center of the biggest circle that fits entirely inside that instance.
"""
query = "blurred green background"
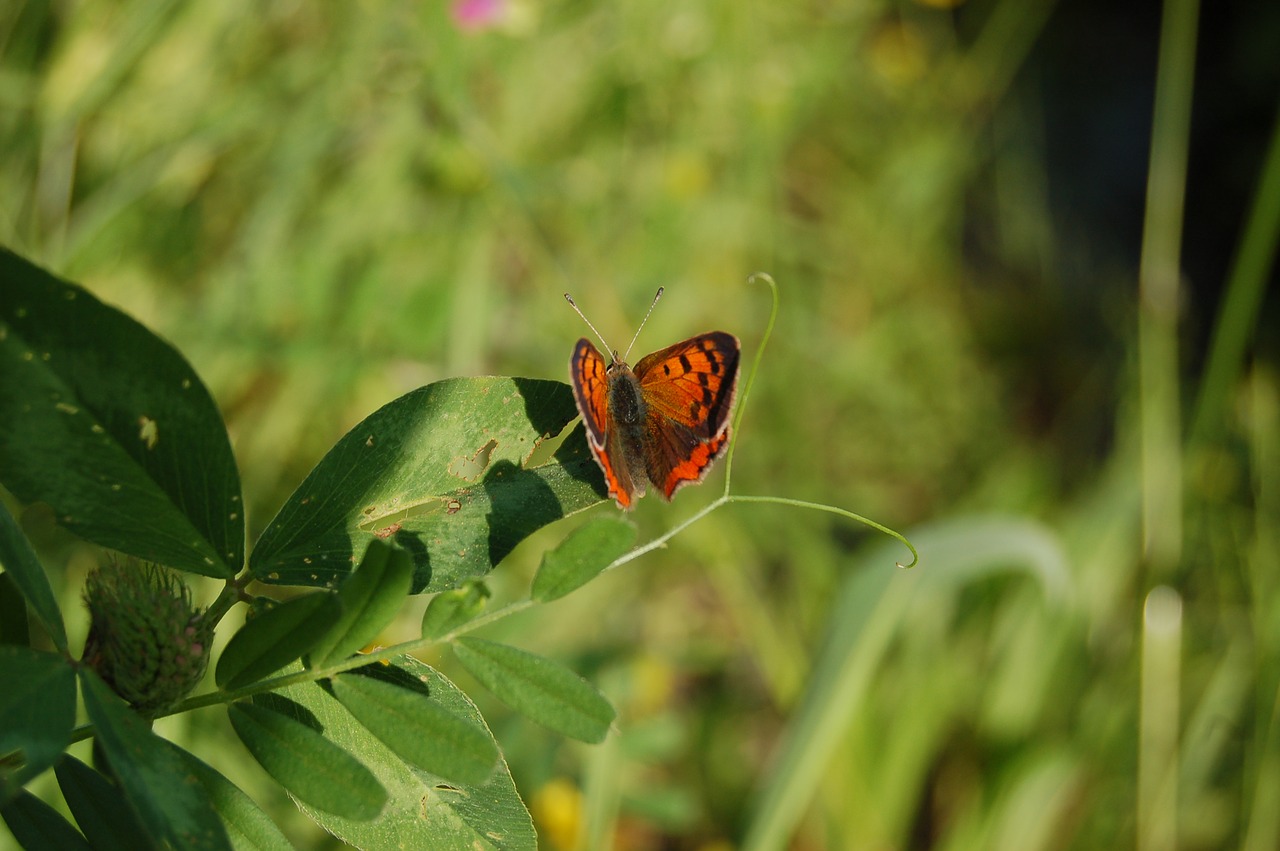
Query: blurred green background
(326, 205)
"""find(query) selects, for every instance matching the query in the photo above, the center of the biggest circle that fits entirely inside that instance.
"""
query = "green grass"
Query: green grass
(325, 206)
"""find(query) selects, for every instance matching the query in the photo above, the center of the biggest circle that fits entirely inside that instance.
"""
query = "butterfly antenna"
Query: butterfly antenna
(654, 304)
(574, 305)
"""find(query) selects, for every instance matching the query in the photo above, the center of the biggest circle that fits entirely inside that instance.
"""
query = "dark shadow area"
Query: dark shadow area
(285, 706)
(412, 543)
(549, 405)
(575, 456)
(521, 502)
(393, 675)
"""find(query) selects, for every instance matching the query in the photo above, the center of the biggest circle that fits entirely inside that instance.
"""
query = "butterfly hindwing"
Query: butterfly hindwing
(675, 456)
(617, 468)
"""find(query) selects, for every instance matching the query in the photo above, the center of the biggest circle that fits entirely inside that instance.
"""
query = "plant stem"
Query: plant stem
(831, 509)
(1158, 284)
(1246, 283)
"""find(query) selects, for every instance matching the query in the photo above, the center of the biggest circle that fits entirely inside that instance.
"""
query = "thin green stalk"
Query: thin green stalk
(1246, 283)
(831, 509)
(1262, 829)
(1158, 282)
(231, 592)
(416, 645)
(1261, 777)
(1162, 635)
(661, 541)
(865, 617)
(602, 795)
(751, 375)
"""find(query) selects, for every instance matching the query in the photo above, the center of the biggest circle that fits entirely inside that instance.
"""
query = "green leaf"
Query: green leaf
(275, 638)
(109, 424)
(418, 728)
(14, 628)
(99, 807)
(313, 769)
(423, 809)
(169, 802)
(866, 614)
(37, 712)
(24, 569)
(441, 472)
(451, 609)
(581, 556)
(544, 690)
(37, 826)
(249, 828)
(370, 599)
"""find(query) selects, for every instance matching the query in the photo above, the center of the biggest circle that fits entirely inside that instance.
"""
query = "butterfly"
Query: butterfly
(663, 422)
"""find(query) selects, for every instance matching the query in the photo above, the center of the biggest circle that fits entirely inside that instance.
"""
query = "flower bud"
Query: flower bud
(145, 639)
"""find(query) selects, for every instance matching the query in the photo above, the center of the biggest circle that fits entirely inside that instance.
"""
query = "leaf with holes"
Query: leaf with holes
(452, 472)
(110, 425)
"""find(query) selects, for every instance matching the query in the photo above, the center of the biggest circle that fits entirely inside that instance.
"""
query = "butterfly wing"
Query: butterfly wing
(617, 471)
(689, 389)
(675, 456)
(590, 378)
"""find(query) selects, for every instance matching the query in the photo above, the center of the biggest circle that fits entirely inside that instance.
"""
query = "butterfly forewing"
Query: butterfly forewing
(591, 389)
(693, 382)
(590, 379)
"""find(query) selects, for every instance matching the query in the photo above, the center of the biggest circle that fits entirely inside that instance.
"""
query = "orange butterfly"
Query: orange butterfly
(664, 422)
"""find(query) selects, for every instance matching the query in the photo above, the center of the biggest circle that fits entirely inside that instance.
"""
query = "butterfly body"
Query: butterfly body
(664, 422)
(627, 412)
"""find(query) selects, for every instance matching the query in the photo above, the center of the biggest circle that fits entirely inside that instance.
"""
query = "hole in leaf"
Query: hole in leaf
(473, 468)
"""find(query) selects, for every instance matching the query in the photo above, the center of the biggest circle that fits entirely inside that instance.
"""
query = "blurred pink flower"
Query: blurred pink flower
(478, 14)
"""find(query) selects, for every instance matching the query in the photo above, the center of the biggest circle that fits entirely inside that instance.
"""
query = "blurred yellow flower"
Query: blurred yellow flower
(653, 683)
(557, 810)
